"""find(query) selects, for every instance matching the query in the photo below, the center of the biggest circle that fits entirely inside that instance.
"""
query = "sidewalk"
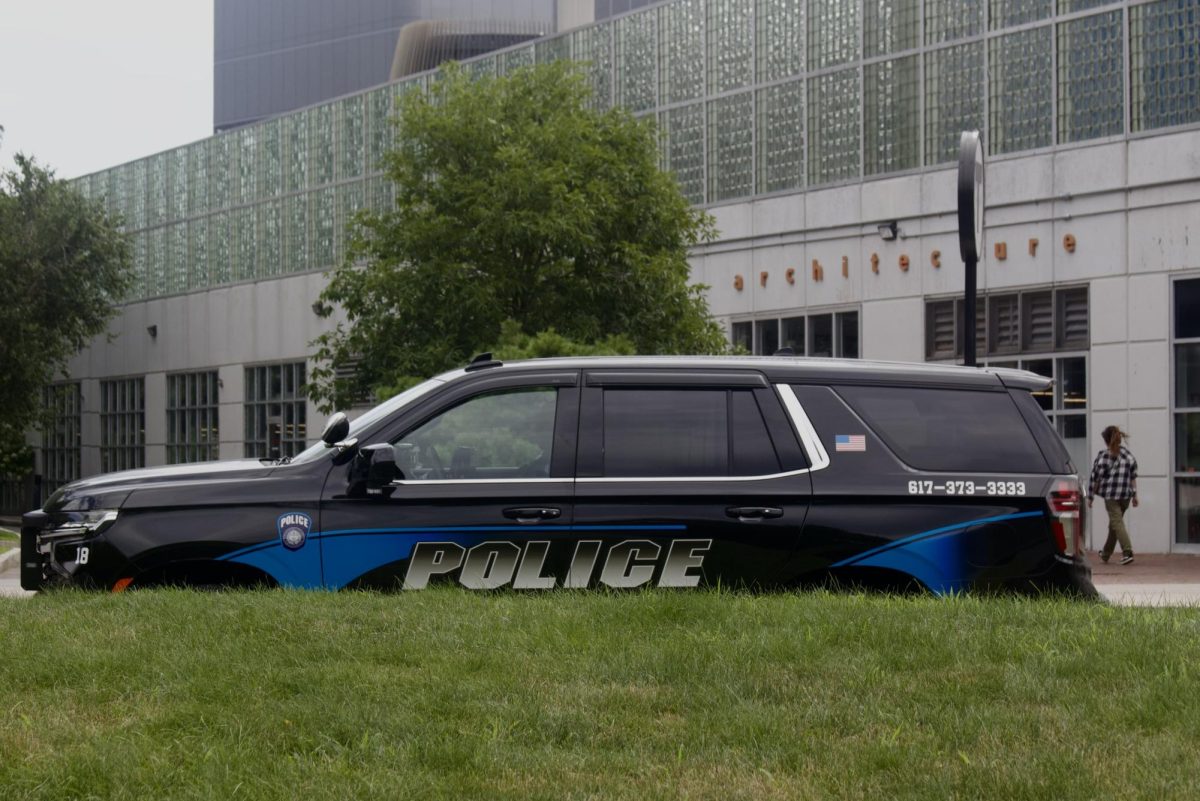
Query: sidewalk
(1152, 580)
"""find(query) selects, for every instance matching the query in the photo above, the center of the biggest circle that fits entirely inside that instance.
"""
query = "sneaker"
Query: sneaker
(1127, 559)
(1104, 557)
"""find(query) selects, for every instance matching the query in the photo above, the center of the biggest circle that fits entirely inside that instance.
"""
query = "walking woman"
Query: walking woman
(1114, 478)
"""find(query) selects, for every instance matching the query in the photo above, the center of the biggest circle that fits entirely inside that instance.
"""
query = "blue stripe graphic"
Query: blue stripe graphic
(350, 553)
(934, 557)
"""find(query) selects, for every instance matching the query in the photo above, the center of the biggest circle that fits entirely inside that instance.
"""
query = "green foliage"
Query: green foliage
(514, 201)
(63, 266)
(515, 344)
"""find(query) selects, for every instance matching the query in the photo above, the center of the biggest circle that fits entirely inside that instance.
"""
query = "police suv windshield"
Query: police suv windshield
(368, 420)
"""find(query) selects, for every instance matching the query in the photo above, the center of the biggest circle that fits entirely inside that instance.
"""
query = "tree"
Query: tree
(63, 266)
(515, 201)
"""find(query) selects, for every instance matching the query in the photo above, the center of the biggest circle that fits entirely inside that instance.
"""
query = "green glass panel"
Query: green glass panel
(946, 20)
(515, 59)
(157, 255)
(245, 237)
(730, 147)
(351, 145)
(892, 128)
(197, 253)
(730, 45)
(219, 270)
(890, 26)
(683, 148)
(780, 132)
(156, 189)
(779, 33)
(177, 181)
(220, 175)
(322, 210)
(1020, 77)
(555, 49)
(246, 169)
(270, 238)
(295, 152)
(1164, 50)
(177, 259)
(197, 166)
(295, 222)
(681, 51)
(270, 159)
(953, 98)
(637, 57)
(1007, 13)
(834, 119)
(320, 144)
(351, 199)
(836, 39)
(379, 126)
(1091, 77)
(593, 48)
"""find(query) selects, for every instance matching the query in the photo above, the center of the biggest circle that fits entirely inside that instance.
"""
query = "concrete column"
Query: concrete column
(156, 419)
(231, 382)
(89, 427)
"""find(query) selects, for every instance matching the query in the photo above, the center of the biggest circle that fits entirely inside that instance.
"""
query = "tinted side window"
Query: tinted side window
(685, 432)
(753, 452)
(666, 432)
(948, 429)
(506, 434)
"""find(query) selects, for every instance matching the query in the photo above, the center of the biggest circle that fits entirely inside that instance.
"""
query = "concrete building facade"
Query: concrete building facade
(823, 150)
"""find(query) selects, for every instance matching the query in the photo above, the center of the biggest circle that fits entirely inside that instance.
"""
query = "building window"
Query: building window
(1028, 331)
(1010, 323)
(275, 410)
(1186, 410)
(193, 434)
(122, 424)
(829, 334)
(60, 437)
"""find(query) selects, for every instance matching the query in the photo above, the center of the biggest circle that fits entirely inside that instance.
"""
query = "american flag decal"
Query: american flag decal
(850, 442)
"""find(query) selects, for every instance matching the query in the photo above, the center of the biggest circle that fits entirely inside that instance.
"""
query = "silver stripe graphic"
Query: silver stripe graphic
(804, 427)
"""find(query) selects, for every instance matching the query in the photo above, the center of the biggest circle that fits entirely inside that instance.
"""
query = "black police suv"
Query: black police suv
(615, 472)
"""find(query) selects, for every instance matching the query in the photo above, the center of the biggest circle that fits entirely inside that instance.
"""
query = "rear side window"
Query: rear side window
(685, 432)
(949, 429)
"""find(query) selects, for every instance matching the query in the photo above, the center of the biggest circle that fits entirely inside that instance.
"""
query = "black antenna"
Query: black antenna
(482, 362)
(785, 352)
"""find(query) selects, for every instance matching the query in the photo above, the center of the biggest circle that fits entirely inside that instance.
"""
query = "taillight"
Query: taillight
(1066, 515)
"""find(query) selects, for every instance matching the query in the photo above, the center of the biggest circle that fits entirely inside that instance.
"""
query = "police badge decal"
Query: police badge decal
(293, 529)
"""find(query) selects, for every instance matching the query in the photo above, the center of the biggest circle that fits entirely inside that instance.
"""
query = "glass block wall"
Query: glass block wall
(751, 97)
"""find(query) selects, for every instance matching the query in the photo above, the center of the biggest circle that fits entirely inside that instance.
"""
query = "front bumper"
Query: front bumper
(60, 552)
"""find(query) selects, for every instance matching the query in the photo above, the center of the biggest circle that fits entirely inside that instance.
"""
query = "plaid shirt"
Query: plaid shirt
(1113, 477)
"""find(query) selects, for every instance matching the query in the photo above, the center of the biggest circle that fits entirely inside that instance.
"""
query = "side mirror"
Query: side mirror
(336, 429)
(381, 469)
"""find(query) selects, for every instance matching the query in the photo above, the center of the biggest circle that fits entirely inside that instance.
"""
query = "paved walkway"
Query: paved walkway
(1152, 579)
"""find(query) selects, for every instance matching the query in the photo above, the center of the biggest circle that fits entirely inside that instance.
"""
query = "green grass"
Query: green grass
(447, 694)
(6, 535)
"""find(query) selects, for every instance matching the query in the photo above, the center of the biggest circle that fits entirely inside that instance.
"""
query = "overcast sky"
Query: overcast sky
(88, 84)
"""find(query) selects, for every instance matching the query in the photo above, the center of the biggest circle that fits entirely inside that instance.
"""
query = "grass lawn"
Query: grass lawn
(448, 694)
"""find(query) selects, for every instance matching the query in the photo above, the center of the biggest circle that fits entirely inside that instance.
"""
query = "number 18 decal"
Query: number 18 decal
(81, 555)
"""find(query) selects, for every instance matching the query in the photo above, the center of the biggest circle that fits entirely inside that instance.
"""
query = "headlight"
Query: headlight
(82, 524)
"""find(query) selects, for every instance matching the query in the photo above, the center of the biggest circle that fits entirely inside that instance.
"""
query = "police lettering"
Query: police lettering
(492, 565)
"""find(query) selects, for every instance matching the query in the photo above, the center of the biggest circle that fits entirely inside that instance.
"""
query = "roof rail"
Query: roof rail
(482, 362)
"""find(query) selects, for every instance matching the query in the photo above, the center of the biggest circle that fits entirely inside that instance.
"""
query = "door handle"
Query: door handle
(532, 514)
(754, 512)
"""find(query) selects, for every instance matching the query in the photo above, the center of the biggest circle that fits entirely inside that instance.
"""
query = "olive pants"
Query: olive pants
(1116, 526)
